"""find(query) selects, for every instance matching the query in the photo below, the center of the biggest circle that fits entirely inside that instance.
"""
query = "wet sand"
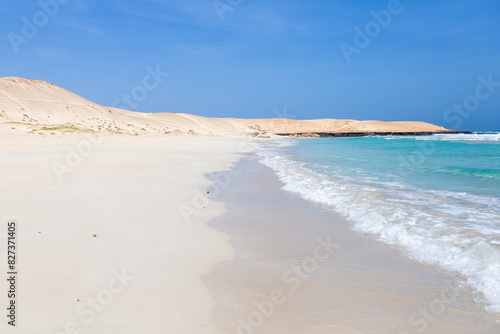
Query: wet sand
(299, 268)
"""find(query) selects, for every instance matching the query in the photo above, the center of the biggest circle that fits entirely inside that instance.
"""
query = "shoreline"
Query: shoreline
(286, 279)
(366, 134)
(107, 248)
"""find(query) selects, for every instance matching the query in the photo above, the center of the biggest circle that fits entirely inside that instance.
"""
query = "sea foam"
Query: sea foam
(485, 137)
(456, 230)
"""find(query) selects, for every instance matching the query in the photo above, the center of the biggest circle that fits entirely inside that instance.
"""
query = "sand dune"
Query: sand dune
(37, 106)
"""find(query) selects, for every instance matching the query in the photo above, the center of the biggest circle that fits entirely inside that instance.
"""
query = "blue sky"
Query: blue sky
(268, 59)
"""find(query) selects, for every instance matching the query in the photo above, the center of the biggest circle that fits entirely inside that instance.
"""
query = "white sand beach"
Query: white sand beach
(111, 209)
(250, 167)
(107, 248)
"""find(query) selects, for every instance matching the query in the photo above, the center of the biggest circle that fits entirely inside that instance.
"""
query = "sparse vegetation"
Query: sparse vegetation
(66, 128)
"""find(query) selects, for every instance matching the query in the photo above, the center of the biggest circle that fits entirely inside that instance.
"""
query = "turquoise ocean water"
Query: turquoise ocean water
(438, 197)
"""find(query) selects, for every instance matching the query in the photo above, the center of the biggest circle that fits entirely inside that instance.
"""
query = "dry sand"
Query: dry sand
(141, 273)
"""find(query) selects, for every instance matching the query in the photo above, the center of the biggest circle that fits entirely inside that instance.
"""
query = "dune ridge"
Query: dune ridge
(33, 106)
